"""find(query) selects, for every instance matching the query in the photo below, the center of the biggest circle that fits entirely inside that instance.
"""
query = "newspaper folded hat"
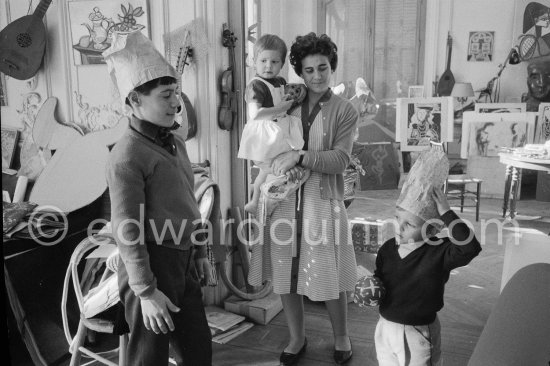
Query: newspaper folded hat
(133, 60)
(430, 170)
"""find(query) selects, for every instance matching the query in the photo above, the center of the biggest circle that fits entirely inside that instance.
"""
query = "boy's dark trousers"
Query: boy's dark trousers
(191, 340)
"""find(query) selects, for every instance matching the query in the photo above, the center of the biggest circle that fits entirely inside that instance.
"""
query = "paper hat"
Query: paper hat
(430, 170)
(133, 60)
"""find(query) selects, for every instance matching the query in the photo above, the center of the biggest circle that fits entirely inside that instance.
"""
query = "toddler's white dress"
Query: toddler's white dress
(264, 139)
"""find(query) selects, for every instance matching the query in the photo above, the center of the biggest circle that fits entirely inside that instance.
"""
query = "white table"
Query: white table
(514, 164)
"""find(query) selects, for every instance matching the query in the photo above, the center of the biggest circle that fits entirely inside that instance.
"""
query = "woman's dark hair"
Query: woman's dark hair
(311, 44)
(146, 88)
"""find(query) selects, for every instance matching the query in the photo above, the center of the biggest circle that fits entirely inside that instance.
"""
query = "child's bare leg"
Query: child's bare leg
(252, 206)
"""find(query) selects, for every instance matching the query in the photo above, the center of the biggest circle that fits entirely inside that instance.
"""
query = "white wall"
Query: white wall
(462, 16)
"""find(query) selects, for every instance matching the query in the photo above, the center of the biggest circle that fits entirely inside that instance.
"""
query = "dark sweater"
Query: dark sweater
(415, 284)
(154, 188)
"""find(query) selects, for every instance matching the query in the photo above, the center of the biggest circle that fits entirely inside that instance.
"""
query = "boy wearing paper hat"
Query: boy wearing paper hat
(154, 212)
(415, 265)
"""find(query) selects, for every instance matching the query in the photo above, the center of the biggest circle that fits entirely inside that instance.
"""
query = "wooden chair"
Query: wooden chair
(456, 186)
(96, 323)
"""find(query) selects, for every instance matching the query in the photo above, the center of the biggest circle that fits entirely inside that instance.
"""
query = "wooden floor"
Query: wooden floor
(470, 295)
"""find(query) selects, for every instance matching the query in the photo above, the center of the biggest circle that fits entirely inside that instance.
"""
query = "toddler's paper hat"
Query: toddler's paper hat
(133, 60)
(430, 170)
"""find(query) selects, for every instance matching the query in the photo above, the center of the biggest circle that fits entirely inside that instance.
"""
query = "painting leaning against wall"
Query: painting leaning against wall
(542, 131)
(9, 144)
(421, 120)
(488, 134)
(487, 138)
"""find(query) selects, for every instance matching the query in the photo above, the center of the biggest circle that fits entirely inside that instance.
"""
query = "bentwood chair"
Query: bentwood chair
(457, 186)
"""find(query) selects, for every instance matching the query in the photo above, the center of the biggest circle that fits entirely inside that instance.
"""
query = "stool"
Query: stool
(455, 188)
(95, 323)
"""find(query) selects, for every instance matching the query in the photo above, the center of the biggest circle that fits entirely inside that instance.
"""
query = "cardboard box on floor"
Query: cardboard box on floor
(260, 311)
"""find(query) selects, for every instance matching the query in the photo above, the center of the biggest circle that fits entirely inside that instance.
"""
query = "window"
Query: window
(381, 41)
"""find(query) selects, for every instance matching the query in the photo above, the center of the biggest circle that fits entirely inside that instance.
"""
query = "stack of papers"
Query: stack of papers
(225, 325)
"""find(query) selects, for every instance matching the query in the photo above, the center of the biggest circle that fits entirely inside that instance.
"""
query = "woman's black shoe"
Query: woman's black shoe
(289, 359)
(342, 357)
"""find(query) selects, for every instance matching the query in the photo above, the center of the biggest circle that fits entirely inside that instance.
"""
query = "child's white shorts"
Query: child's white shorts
(407, 345)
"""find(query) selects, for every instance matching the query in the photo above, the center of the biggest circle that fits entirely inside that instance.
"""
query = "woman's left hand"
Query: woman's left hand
(283, 162)
(295, 174)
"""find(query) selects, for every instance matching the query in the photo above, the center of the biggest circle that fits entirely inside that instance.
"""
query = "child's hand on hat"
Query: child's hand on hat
(440, 200)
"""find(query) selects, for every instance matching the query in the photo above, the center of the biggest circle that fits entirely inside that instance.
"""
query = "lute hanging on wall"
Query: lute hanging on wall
(23, 43)
(447, 81)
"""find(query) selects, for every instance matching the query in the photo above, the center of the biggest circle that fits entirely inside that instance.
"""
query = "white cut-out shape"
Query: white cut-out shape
(476, 286)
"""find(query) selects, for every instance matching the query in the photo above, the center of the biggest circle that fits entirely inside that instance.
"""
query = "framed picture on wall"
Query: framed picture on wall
(10, 137)
(92, 24)
(485, 134)
(500, 108)
(480, 46)
(421, 120)
(542, 130)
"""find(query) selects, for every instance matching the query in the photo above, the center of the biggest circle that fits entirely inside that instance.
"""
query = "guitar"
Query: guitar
(447, 81)
(227, 114)
(23, 43)
(188, 112)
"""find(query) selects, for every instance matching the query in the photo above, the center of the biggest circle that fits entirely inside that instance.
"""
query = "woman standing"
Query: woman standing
(305, 246)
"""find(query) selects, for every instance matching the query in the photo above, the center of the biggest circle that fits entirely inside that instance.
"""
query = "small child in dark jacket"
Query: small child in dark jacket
(414, 267)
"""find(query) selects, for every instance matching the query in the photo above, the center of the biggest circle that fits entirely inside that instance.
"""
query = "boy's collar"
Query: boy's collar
(416, 244)
(149, 129)
(162, 136)
(146, 128)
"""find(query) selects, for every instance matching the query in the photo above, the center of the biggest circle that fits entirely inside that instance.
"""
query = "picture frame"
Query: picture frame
(480, 46)
(500, 108)
(421, 120)
(10, 138)
(542, 128)
(92, 23)
(416, 91)
(485, 134)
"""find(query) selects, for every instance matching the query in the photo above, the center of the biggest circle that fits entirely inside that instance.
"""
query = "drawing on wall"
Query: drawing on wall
(9, 144)
(480, 46)
(542, 131)
(93, 23)
(534, 30)
(421, 120)
(500, 107)
(3, 90)
(486, 138)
